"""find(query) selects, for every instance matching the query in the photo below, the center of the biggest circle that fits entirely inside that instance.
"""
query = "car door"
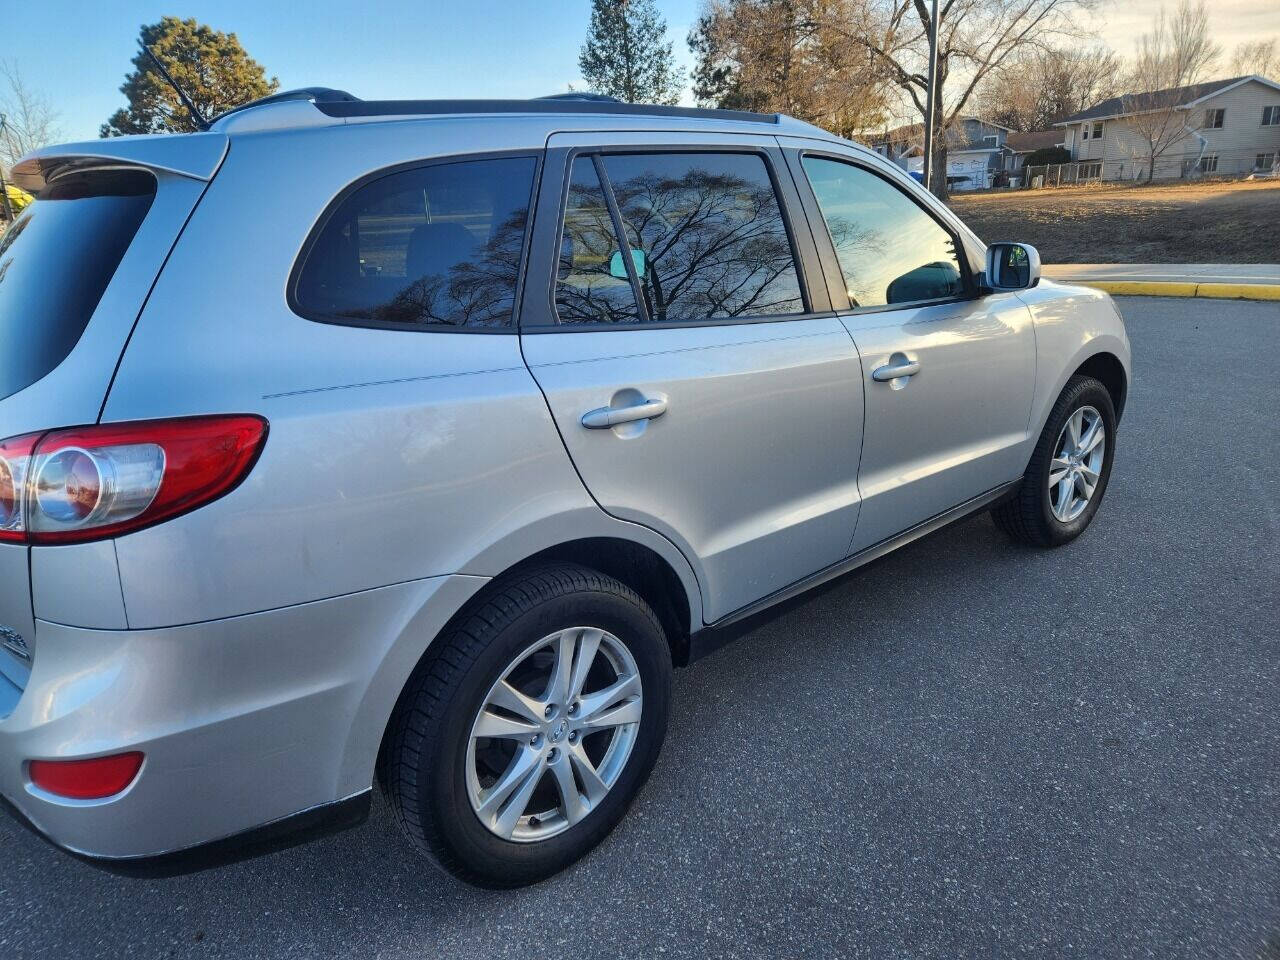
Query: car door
(699, 388)
(948, 374)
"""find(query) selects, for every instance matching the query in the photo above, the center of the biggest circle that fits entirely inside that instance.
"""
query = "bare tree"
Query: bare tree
(976, 37)
(30, 121)
(1257, 57)
(1176, 53)
(1038, 87)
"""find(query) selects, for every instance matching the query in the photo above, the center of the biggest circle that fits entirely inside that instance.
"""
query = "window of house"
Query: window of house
(704, 232)
(435, 245)
(1271, 116)
(890, 250)
(1089, 171)
(1213, 119)
(1092, 131)
(1264, 161)
(1209, 163)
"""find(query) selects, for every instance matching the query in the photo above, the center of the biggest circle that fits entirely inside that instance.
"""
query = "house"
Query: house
(1019, 146)
(1221, 127)
(975, 151)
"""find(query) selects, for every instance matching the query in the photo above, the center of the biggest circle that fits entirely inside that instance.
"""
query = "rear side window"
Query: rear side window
(890, 250)
(55, 262)
(704, 232)
(436, 245)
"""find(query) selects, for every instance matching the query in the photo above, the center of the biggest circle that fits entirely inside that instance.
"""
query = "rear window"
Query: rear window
(56, 260)
(436, 245)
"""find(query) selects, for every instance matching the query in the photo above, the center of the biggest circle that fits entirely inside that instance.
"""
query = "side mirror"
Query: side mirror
(618, 269)
(1012, 266)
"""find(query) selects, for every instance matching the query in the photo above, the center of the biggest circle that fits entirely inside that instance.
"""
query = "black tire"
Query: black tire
(422, 767)
(1027, 516)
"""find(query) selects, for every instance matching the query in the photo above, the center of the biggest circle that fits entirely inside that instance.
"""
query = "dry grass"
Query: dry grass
(1215, 222)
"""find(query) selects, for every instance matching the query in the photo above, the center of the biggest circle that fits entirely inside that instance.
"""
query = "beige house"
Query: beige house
(1223, 127)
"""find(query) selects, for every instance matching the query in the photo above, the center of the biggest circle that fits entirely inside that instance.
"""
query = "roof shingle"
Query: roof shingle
(1155, 100)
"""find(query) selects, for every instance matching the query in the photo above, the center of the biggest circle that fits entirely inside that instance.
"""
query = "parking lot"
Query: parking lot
(966, 749)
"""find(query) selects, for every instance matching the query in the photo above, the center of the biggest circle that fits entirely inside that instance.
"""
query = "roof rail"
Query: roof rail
(582, 95)
(314, 94)
(577, 104)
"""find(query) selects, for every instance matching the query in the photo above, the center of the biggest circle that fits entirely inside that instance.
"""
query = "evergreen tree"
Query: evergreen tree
(627, 55)
(210, 66)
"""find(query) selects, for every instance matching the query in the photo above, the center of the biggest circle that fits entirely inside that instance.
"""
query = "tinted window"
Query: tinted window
(708, 233)
(587, 289)
(433, 245)
(890, 250)
(56, 260)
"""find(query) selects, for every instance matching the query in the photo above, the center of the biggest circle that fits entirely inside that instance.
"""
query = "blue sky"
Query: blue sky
(77, 53)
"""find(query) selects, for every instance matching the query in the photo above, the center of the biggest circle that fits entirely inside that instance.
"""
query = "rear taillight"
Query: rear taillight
(88, 483)
(15, 456)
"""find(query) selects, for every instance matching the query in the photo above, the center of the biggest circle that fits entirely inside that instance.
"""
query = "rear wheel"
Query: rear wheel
(1068, 473)
(524, 737)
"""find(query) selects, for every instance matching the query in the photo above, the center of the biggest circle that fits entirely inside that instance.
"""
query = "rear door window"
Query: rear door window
(704, 232)
(592, 284)
(439, 245)
(56, 260)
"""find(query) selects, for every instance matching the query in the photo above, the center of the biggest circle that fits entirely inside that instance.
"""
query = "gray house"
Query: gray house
(975, 151)
(1223, 127)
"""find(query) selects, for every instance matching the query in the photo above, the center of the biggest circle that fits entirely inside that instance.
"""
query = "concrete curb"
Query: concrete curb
(1155, 288)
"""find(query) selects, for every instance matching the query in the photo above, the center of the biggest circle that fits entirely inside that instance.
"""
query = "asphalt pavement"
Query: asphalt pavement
(968, 749)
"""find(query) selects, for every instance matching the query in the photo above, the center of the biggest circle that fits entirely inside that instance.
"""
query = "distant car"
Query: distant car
(415, 443)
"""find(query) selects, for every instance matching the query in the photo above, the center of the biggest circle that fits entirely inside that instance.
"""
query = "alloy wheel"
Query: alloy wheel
(1077, 463)
(553, 734)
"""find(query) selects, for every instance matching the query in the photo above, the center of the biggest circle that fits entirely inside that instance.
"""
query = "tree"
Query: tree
(1048, 155)
(1257, 57)
(1039, 87)
(976, 37)
(30, 122)
(210, 66)
(1175, 53)
(626, 54)
(786, 56)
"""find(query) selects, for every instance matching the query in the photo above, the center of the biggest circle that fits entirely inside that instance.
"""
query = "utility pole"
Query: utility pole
(929, 96)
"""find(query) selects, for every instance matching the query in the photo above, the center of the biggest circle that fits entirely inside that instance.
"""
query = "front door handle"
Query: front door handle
(604, 417)
(899, 365)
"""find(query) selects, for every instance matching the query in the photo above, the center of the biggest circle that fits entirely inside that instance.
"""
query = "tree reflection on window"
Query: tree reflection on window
(711, 232)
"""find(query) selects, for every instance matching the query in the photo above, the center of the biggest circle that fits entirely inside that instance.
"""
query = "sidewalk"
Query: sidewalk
(1232, 281)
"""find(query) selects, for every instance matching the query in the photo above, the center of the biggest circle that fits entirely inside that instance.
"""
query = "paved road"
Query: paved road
(1173, 272)
(966, 750)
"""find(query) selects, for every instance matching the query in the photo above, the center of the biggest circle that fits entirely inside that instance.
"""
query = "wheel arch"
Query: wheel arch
(1107, 368)
(673, 595)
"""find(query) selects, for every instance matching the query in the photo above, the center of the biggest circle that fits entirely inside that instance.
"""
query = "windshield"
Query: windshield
(56, 260)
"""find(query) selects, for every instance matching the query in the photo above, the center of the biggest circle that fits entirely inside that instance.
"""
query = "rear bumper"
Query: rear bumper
(289, 831)
(243, 722)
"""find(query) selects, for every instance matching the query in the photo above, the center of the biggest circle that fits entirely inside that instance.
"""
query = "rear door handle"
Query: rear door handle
(604, 417)
(899, 366)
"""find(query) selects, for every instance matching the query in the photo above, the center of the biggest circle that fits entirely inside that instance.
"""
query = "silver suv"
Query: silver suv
(414, 443)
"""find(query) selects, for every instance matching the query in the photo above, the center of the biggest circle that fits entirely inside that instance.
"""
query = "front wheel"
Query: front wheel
(525, 735)
(1068, 473)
